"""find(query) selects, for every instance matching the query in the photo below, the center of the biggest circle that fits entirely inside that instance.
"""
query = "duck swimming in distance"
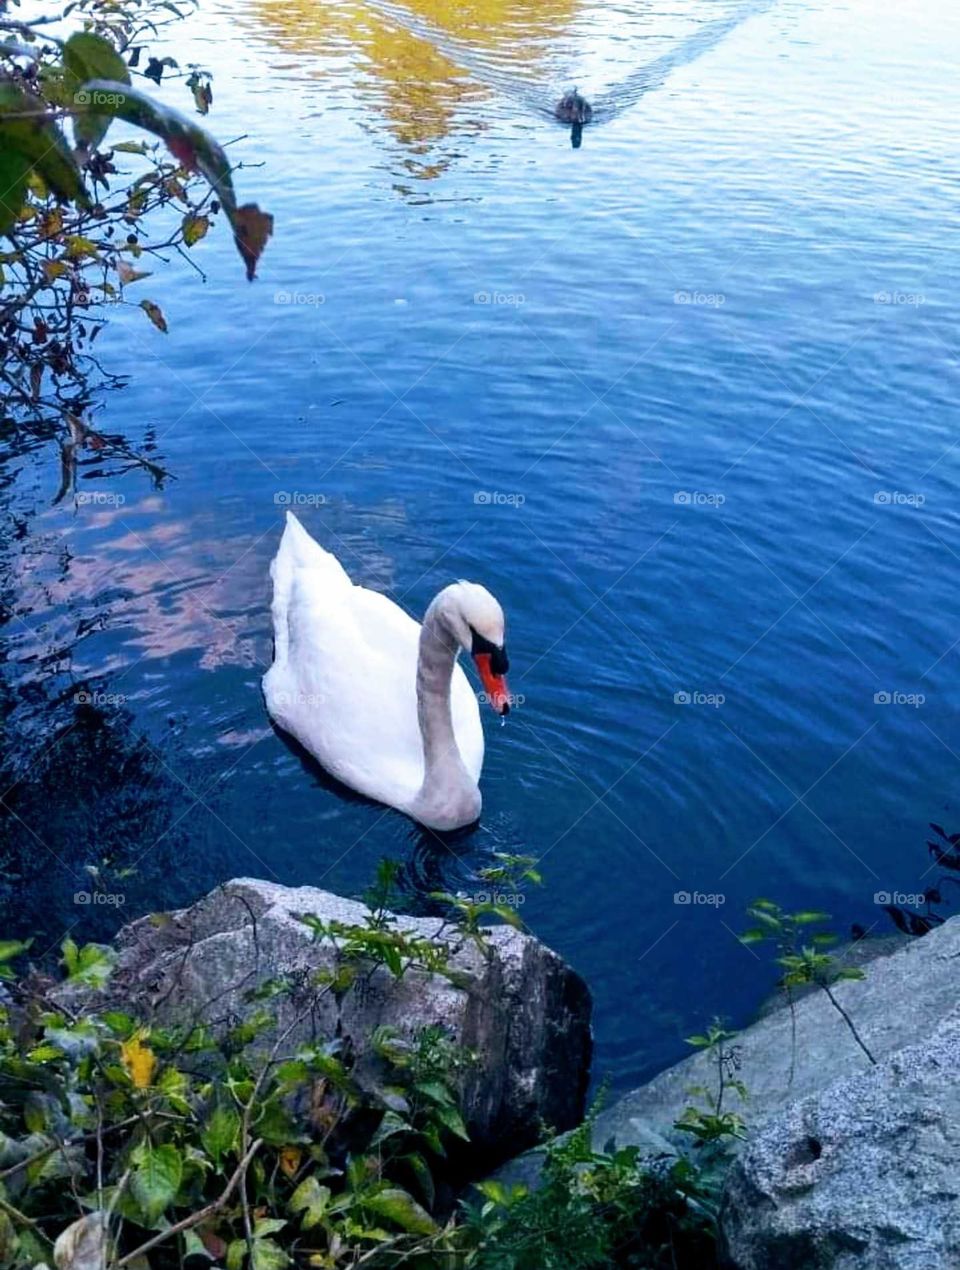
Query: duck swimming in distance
(575, 110)
(572, 108)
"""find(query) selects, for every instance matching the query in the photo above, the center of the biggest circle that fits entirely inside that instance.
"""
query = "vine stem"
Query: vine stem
(849, 1022)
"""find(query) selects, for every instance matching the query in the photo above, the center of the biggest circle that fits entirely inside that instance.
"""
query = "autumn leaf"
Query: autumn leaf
(126, 273)
(194, 228)
(155, 314)
(214, 1244)
(138, 1059)
(251, 228)
(290, 1158)
(54, 269)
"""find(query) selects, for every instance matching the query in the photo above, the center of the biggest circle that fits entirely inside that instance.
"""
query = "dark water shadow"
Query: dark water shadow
(431, 861)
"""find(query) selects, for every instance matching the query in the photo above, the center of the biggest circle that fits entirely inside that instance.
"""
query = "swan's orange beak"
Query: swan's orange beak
(495, 686)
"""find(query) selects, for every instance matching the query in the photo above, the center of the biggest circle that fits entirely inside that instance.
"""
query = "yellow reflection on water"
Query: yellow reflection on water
(416, 64)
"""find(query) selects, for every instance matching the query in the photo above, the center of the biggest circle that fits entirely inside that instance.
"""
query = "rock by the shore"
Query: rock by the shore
(904, 996)
(520, 1010)
(849, 1166)
(861, 1176)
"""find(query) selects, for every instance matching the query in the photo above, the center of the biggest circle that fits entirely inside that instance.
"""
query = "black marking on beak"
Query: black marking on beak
(499, 662)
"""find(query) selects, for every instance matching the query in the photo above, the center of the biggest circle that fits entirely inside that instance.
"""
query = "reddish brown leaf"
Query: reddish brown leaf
(251, 229)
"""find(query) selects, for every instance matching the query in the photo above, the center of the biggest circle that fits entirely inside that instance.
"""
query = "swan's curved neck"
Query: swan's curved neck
(438, 653)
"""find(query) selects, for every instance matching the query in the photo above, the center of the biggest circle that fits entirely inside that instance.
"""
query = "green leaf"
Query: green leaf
(156, 1179)
(90, 965)
(221, 1132)
(268, 1255)
(268, 1226)
(808, 916)
(88, 56)
(196, 150)
(311, 1199)
(402, 1209)
(451, 1120)
(10, 948)
(39, 143)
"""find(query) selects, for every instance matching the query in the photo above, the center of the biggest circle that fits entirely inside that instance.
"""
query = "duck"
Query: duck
(379, 699)
(572, 108)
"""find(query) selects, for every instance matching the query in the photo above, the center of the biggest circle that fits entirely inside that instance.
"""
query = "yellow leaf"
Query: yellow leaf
(78, 247)
(194, 228)
(54, 269)
(155, 314)
(290, 1158)
(139, 1060)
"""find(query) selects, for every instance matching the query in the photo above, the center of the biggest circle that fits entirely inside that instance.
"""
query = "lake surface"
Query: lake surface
(685, 399)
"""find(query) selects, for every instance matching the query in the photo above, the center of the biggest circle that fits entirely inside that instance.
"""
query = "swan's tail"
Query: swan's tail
(297, 551)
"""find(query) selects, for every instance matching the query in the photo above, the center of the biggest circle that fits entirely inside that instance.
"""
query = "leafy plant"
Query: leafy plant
(803, 956)
(593, 1209)
(81, 220)
(124, 1143)
(714, 1123)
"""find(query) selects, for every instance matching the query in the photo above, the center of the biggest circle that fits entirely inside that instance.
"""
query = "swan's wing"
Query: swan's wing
(298, 551)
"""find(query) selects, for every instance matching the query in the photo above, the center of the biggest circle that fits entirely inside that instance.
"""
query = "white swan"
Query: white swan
(379, 699)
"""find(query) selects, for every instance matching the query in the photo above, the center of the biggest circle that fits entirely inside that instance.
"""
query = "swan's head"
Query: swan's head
(475, 619)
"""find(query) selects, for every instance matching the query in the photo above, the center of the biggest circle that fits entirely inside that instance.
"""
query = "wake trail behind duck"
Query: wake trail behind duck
(524, 84)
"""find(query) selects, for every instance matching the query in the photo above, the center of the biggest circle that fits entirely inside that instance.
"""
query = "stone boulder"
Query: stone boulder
(863, 1175)
(520, 1009)
(907, 991)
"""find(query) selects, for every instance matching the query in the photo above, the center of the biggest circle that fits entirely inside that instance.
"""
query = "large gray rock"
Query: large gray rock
(904, 996)
(910, 986)
(520, 1009)
(864, 1175)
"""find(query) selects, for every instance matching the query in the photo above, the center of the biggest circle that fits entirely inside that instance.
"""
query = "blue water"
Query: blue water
(702, 437)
